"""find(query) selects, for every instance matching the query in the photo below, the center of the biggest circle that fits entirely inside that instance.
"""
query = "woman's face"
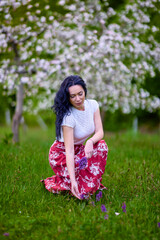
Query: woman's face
(77, 96)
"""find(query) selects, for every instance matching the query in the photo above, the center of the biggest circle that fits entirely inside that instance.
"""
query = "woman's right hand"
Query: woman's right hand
(74, 189)
(88, 148)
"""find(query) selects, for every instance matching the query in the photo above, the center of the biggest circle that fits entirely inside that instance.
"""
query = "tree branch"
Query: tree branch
(27, 38)
(13, 41)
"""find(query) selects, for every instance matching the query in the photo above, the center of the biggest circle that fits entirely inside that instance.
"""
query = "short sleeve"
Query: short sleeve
(69, 121)
(94, 105)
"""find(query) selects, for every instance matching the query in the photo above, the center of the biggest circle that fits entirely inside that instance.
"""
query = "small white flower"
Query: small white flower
(51, 18)
(47, 7)
(24, 79)
(38, 48)
(43, 19)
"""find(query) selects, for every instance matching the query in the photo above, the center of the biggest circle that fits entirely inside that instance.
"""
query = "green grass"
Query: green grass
(28, 211)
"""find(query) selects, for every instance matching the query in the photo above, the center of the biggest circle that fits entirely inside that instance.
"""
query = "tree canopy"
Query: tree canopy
(42, 42)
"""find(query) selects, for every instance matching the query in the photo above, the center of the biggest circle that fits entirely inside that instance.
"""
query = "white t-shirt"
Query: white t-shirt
(81, 121)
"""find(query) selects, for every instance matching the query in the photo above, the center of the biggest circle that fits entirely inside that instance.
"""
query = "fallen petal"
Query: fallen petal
(117, 213)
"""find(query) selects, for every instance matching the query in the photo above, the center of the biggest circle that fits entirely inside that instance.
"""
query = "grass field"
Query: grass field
(132, 176)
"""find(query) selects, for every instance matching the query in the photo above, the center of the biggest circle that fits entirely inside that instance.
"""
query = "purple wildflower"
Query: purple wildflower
(6, 234)
(106, 217)
(98, 196)
(93, 204)
(82, 163)
(82, 196)
(103, 208)
(124, 207)
(158, 224)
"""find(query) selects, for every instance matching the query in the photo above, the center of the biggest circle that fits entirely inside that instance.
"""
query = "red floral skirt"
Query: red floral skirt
(88, 179)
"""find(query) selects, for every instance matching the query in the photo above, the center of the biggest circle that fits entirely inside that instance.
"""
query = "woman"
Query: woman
(77, 120)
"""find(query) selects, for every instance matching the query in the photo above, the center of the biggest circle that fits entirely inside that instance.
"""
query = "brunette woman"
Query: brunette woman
(78, 155)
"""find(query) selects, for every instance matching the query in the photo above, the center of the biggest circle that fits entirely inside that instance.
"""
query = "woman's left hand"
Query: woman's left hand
(88, 149)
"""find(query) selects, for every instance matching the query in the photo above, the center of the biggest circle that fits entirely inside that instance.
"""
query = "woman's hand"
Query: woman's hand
(88, 148)
(69, 148)
(74, 189)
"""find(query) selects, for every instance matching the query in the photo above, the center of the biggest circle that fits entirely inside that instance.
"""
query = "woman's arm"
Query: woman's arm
(69, 148)
(98, 135)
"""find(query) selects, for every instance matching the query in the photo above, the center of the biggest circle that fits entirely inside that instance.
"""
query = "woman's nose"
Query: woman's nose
(77, 98)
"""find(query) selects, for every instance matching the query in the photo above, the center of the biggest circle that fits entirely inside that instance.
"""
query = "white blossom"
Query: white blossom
(108, 57)
(24, 79)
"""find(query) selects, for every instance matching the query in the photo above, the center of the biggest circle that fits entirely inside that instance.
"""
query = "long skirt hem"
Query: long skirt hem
(88, 179)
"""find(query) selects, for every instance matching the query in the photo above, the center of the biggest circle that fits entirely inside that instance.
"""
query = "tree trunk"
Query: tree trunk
(18, 113)
(135, 124)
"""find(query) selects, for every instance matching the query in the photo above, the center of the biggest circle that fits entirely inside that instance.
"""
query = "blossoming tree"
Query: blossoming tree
(23, 65)
(113, 56)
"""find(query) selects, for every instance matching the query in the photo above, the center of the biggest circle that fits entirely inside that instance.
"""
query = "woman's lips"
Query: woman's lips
(79, 103)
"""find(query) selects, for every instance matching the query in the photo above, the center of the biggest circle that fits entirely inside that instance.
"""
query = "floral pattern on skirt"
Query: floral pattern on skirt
(88, 179)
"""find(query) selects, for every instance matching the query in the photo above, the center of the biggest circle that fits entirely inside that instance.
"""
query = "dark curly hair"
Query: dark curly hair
(62, 103)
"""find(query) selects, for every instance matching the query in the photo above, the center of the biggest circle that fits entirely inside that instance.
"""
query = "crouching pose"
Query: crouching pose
(78, 155)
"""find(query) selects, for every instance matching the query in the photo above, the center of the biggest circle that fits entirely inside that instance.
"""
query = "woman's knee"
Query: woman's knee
(102, 146)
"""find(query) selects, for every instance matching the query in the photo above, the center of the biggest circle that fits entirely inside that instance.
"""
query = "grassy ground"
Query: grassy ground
(28, 211)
